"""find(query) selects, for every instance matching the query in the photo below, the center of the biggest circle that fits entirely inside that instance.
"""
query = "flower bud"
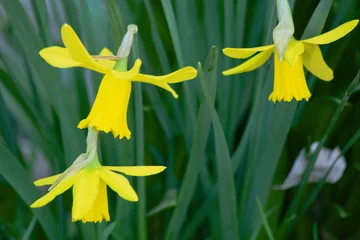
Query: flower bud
(126, 44)
(285, 29)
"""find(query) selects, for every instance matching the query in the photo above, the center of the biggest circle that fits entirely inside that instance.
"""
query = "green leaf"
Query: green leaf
(226, 186)
(108, 230)
(190, 94)
(264, 219)
(315, 231)
(301, 188)
(196, 160)
(168, 202)
(340, 211)
(318, 19)
(29, 230)
(117, 23)
(19, 179)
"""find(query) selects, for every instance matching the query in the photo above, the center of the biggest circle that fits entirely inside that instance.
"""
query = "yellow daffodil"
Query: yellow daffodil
(289, 78)
(89, 180)
(90, 202)
(109, 111)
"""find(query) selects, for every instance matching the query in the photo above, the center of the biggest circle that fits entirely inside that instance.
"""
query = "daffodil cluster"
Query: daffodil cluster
(88, 177)
(109, 113)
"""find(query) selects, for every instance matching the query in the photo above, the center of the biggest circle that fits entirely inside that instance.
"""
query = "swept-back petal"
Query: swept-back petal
(100, 209)
(47, 181)
(250, 64)
(129, 75)
(183, 74)
(109, 64)
(85, 190)
(57, 190)
(314, 62)
(137, 170)
(334, 34)
(58, 57)
(119, 184)
(109, 112)
(245, 52)
(77, 50)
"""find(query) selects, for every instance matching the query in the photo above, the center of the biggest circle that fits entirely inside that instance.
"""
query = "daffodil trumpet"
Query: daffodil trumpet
(109, 111)
(90, 180)
(289, 78)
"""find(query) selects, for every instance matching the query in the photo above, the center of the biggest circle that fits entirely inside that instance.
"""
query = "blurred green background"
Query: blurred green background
(221, 162)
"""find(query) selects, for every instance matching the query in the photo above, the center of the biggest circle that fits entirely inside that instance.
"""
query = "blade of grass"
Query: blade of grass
(139, 153)
(19, 179)
(7, 127)
(268, 213)
(295, 204)
(257, 126)
(226, 186)
(264, 219)
(319, 18)
(190, 95)
(296, 201)
(313, 195)
(42, 19)
(196, 160)
(278, 122)
(51, 92)
(315, 231)
(117, 23)
(29, 230)
(30, 43)
(108, 231)
(194, 222)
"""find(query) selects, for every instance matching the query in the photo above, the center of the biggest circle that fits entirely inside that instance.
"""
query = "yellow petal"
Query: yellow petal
(138, 170)
(150, 79)
(334, 34)
(289, 81)
(293, 51)
(106, 52)
(85, 190)
(119, 184)
(314, 62)
(77, 50)
(250, 64)
(109, 64)
(183, 74)
(245, 52)
(129, 75)
(47, 181)
(100, 209)
(58, 57)
(109, 112)
(57, 190)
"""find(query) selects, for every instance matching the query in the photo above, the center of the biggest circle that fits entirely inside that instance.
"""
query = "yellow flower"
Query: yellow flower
(90, 202)
(289, 78)
(110, 107)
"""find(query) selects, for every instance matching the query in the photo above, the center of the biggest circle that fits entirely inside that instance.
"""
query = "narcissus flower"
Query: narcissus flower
(289, 78)
(90, 202)
(89, 182)
(109, 112)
